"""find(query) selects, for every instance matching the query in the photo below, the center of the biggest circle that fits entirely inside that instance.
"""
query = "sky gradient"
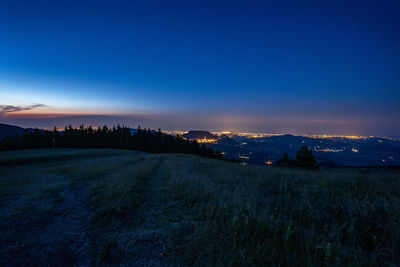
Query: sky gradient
(294, 66)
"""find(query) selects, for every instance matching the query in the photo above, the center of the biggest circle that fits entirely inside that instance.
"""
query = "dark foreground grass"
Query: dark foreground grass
(70, 210)
(39, 156)
(113, 207)
(256, 216)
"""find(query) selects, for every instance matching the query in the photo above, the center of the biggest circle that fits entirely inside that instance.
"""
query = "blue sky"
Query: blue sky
(302, 61)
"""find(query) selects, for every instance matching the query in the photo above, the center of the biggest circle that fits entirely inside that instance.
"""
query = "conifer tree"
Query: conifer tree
(305, 159)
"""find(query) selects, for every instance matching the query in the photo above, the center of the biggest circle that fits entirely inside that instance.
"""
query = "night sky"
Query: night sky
(296, 66)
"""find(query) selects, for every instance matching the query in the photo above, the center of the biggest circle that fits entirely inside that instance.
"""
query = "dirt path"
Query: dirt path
(67, 240)
(150, 237)
(56, 229)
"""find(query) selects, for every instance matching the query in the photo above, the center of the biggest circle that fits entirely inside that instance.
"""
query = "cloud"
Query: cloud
(10, 108)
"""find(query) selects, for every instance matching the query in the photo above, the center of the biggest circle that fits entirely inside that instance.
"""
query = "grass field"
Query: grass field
(69, 207)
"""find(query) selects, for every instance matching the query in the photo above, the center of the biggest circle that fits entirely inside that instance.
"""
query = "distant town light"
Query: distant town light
(328, 150)
(206, 141)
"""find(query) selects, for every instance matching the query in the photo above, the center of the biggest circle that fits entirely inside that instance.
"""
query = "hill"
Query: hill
(118, 207)
(329, 151)
(199, 135)
(9, 130)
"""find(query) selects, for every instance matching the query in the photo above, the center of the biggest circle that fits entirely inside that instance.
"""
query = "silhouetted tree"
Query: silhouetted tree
(285, 161)
(305, 159)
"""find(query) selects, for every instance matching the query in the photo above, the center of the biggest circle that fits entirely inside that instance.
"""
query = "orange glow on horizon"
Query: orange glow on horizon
(56, 112)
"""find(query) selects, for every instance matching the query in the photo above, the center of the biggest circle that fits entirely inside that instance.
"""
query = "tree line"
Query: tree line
(119, 137)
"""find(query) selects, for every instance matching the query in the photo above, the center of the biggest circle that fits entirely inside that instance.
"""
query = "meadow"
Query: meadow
(117, 207)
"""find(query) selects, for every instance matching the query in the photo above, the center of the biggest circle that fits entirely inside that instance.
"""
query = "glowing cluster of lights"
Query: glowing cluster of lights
(261, 135)
(244, 134)
(339, 136)
(328, 150)
(206, 140)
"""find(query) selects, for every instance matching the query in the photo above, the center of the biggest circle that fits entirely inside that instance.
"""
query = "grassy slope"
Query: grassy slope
(122, 207)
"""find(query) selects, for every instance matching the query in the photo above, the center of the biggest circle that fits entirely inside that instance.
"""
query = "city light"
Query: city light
(206, 140)
(261, 135)
(328, 150)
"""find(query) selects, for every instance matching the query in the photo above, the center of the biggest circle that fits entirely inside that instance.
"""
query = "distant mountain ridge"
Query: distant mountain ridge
(199, 135)
(9, 130)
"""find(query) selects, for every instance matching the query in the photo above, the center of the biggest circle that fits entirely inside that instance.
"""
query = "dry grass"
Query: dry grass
(250, 216)
(95, 207)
